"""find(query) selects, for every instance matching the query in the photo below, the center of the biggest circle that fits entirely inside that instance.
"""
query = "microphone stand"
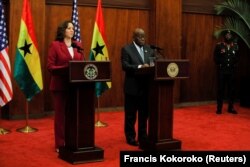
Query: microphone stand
(157, 51)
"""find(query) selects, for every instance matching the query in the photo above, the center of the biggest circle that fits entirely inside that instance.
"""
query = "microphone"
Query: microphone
(155, 47)
(74, 45)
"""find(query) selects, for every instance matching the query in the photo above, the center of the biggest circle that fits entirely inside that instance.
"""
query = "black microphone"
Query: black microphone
(74, 45)
(155, 47)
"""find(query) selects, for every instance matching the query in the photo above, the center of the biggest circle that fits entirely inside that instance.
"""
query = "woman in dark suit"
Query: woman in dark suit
(61, 51)
(134, 56)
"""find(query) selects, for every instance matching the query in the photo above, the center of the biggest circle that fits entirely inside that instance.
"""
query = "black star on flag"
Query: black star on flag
(98, 49)
(26, 48)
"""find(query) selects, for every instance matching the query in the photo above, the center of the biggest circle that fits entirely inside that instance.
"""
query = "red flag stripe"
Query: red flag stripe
(6, 91)
(27, 19)
(100, 21)
(5, 60)
(5, 86)
(5, 67)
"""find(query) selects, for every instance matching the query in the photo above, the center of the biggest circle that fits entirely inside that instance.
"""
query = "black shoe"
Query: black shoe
(132, 142)
(218, 112)
(232, 111)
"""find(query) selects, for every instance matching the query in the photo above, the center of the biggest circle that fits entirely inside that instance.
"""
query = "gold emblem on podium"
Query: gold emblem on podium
(172, 70)
(90, 71)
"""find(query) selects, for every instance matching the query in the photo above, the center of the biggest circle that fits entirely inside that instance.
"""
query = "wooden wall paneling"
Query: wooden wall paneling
(120, 33)
(168, 32)
(152, 22)
(198, 45)
(113, 97)
(127, 4)
(202, 7)
(168, 27)
(17, 105)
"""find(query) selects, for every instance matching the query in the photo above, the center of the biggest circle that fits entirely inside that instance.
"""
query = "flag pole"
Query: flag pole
(2, 130)
(27, 128)
(98, 122)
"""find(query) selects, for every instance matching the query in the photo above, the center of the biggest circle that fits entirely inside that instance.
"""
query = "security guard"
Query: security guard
(226, 57)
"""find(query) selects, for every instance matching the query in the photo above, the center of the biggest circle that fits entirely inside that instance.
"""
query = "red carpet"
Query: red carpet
(199, 128)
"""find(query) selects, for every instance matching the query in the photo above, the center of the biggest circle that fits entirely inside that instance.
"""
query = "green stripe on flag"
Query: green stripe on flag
(23, 77)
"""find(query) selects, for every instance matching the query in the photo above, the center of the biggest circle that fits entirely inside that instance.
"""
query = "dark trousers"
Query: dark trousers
(60, 101)
(132, 105)
(225, 81)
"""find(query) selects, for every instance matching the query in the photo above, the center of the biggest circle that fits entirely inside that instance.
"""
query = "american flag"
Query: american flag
(75, 21)
(6, 91)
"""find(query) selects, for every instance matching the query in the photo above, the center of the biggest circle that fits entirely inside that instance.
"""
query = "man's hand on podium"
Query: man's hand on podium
(145, 65)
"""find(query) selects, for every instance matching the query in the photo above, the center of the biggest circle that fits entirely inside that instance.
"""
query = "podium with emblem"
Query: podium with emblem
(80, 114)
(160, 123)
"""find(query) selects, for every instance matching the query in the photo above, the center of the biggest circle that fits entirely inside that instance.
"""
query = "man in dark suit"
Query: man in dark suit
(135, 56)
(226, 57)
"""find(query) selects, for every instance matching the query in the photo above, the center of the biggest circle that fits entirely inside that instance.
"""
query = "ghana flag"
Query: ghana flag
(27, 70)
(99, 51)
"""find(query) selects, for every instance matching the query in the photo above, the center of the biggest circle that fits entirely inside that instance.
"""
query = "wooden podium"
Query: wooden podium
(160, 123)
(80, 114)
